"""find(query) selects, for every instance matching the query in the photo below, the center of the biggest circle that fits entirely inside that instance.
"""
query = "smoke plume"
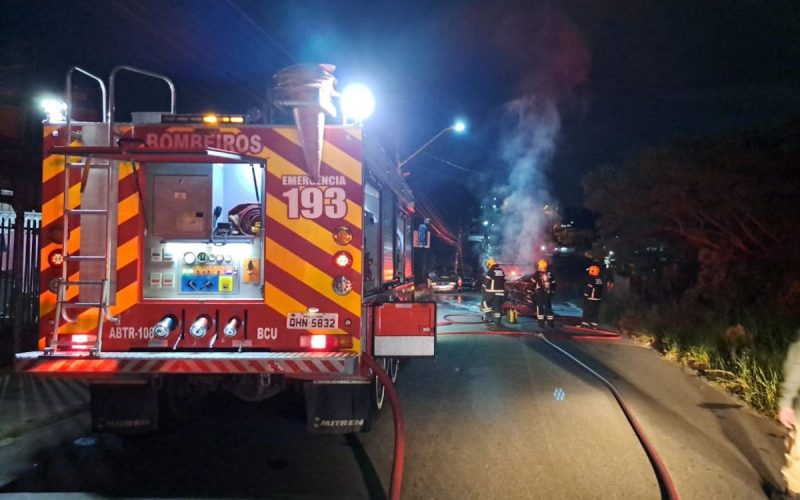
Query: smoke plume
(548, 45)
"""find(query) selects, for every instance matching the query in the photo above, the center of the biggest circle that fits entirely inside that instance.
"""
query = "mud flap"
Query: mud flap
(337, 406)
(124, 408)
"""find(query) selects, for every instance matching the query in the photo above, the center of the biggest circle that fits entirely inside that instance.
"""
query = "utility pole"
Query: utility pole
(459, 264)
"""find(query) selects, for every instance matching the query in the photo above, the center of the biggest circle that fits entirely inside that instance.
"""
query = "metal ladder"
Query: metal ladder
(63, 305)
(102, 305)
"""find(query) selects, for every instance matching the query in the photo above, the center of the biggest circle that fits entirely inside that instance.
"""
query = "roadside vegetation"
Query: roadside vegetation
(745, 359)
(706, 254)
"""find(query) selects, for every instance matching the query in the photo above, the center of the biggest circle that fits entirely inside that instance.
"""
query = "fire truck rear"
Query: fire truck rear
(183, 254)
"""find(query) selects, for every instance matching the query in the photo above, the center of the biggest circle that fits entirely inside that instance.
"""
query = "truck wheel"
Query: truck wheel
(379, 390)
(394, 368)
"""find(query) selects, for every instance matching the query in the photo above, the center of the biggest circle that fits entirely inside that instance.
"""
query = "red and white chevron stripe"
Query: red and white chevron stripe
(314, 364)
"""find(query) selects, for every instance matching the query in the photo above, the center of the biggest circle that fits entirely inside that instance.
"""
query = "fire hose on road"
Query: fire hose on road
(398, 464)
(665, 482)
(449, 319)
(573, 332)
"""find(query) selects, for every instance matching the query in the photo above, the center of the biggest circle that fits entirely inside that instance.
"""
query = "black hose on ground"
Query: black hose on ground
(667, 486)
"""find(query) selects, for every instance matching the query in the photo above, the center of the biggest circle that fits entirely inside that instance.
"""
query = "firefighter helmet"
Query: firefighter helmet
(490, 262)
(541, 265)
(594, 270)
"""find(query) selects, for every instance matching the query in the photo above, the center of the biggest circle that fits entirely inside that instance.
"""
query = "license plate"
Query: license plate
(317, 321)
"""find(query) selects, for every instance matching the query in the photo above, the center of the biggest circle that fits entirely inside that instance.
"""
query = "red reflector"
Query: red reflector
(342, 235)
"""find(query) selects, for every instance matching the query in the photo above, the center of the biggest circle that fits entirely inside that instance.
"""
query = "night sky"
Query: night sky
(624, 74)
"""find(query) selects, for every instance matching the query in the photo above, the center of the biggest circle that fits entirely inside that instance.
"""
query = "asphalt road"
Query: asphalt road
(492, 416)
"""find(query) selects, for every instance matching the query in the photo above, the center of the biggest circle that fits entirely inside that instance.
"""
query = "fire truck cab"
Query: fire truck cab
(204, 251)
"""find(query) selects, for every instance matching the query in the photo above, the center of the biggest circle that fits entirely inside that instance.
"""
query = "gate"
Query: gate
(19, 274)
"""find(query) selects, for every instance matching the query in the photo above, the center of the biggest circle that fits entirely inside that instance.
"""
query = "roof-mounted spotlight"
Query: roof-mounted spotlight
(358, 103)
(55, 109)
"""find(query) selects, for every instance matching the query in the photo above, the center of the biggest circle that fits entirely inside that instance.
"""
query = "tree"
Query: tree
(725, 208)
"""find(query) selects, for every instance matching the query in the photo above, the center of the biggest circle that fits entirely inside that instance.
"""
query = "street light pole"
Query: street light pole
(458, 127)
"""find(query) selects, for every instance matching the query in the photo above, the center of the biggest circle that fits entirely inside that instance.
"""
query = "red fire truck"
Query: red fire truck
(184, 253)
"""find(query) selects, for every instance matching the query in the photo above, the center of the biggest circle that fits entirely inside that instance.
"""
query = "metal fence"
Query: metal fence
(19, 277)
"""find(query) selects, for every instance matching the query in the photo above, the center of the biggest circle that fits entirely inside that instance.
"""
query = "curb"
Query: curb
(17, 431)
(17, 454)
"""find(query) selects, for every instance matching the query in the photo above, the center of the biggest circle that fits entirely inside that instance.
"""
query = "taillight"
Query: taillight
(56, 257)
(343, 259)
(319, 341)
(78, 342)
(323, 342)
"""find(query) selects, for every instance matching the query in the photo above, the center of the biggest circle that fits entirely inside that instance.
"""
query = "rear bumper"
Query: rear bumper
(306, 365)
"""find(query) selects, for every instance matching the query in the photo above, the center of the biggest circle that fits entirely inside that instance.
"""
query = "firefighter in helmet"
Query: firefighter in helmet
(544, 288)
(494, 289)
(592, 295)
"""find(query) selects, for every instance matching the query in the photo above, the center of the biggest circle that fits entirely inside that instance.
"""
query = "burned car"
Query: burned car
(521, 290)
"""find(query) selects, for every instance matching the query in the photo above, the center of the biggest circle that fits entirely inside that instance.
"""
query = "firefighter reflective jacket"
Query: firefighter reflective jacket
(594, 288)
(494, 280)
(544, 282)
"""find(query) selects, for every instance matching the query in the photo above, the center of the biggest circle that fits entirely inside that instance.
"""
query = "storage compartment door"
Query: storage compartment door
(405, 329)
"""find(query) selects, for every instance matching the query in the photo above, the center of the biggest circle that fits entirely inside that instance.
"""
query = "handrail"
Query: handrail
(69, 98)
(111, 104)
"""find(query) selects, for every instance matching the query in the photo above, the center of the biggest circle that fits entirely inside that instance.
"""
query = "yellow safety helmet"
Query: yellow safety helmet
(490, 262)
(594, 270)
(541, 265)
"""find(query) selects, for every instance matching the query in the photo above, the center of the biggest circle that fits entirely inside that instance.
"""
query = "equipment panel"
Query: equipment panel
(204, 237)
(186, 270)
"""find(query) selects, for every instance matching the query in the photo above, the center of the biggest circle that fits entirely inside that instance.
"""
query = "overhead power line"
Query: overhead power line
(454, 165)
(262, 31)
